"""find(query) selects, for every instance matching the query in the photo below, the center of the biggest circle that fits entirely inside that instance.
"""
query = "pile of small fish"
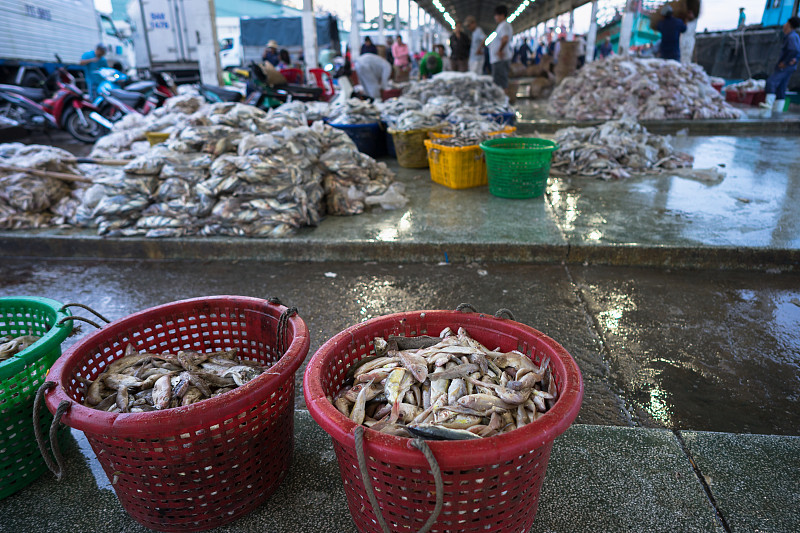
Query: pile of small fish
(651, 89)
(11, 346)
(442, 106)
(31, 201)
(467, 87)
(449, 387)
(142, 382)
(354, 111)
(416, 120)
(392, 108)
(747, 86)
(614, 150)
(716, 80)
(227, 169)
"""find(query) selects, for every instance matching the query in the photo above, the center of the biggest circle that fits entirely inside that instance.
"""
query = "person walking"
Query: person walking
(460, 44)
(742, 18)
(368, 47)
(402, 61)
(523, 52)
(787, 65)
(476, 47)
(581, 50)
(373, 74)
(500, 48)
(670, 28)
(389, 43)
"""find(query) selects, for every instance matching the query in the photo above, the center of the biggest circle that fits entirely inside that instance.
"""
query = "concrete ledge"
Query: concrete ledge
(789, 126)
(754, 478)
(599, 479)
(51, 244)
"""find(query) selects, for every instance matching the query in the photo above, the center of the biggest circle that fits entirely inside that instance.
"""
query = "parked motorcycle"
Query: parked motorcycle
(114, 102)
(68, 108)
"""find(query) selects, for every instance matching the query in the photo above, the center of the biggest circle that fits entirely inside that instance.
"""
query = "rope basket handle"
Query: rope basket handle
(503, 311)
(82, 319)
(463, 308)
(56, 467)
(283, 325)
(423, 447)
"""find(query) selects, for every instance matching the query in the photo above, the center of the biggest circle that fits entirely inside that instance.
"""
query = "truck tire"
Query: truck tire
(33, 79)
(87, 134)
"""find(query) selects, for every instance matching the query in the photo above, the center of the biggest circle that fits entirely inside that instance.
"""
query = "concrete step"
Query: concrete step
(599, 479)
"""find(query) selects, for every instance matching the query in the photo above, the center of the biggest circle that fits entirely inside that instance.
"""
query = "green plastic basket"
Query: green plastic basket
(20, 376)
(518, 166)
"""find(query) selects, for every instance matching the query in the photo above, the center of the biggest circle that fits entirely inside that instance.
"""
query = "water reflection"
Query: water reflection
(659, 406)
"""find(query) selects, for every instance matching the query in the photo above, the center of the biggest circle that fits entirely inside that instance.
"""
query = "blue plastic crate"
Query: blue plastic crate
(503, 118)
(370, 139)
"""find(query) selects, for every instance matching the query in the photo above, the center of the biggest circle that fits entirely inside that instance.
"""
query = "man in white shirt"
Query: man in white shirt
(373, 74)
(477, 46)
(500, 48)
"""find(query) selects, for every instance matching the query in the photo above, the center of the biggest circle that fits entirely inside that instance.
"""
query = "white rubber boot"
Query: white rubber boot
(766, 107)
(778, 107)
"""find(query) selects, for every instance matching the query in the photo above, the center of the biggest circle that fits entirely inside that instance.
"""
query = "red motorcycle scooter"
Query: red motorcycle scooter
(67, 109)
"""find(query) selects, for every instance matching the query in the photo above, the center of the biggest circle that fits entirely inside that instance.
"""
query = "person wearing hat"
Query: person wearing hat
(787, 65)
(94, 60)
(671, 28)
(270, 54)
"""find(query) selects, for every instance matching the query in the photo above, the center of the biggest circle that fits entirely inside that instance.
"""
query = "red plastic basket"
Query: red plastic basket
(490, 484)
(752, 98)
(203, 465)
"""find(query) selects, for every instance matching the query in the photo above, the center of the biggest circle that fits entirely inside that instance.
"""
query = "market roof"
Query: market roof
(534, 12)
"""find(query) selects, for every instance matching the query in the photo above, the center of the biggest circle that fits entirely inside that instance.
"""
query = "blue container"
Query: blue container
(370, 139)
(503, 118)
(389, 143)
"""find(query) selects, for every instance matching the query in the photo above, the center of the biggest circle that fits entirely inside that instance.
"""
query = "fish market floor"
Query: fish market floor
(599, 479)
(690, 412)
(748, 218)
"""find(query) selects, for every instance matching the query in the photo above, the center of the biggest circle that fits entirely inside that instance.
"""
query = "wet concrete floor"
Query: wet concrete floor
(702, 350)
(755, 205)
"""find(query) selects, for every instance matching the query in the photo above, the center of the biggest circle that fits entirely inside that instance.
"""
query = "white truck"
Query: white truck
(172, 35)
(34, 32)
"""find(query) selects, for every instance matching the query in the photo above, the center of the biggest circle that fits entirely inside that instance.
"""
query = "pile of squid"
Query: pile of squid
(647, 89)
(449, 387)
(142, 382)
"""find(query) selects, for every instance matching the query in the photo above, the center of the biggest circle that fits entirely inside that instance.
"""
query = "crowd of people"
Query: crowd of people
(468, 52)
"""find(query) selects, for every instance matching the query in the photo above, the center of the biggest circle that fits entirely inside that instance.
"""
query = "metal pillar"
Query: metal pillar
(571, 30)
(626, 28)
(204, 24)
(410, 31)
(355, 32)
(381, 29)
(687, 42)
(309, 35)
(397, 19)
(591, 39)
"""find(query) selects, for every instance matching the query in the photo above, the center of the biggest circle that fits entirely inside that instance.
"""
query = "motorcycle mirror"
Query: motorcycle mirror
(58, 58)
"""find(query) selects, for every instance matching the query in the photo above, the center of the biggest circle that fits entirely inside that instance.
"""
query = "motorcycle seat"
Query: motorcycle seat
(224, 94)
(37, 95)
(131, 98)
(141, 86)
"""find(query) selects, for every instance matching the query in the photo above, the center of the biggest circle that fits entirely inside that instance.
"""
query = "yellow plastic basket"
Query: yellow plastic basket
(457, 167)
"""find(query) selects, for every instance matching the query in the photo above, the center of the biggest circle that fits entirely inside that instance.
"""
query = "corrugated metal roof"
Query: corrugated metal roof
(483, 10)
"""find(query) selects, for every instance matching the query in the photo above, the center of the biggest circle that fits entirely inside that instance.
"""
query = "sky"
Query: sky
(715, 14)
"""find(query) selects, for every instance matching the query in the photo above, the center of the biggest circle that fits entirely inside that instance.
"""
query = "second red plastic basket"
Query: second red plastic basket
(490, 484)
(199, 466)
